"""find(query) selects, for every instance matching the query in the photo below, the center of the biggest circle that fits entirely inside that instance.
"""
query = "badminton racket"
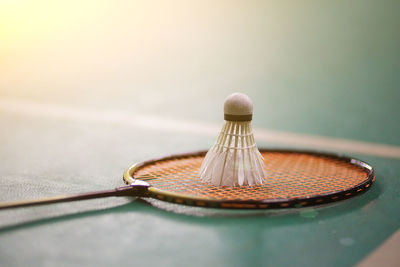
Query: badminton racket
(295, 178)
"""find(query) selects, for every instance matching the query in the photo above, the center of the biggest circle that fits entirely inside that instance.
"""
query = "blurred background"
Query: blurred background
(313, 67)
(88, 88)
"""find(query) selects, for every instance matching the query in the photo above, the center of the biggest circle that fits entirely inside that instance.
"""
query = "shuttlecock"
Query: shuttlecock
(234, 160)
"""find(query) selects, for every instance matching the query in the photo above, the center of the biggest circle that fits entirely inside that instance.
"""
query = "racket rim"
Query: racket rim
(278, 203)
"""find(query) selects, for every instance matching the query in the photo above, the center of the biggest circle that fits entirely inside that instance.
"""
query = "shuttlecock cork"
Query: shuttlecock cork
(234, 160)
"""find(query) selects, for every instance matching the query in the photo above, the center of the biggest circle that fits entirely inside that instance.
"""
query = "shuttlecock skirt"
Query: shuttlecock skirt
(234, 160)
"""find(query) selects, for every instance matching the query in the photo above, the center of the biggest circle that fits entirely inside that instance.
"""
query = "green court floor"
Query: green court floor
(87, 89)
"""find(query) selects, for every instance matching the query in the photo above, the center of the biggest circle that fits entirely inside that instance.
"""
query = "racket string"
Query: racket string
(289, 176)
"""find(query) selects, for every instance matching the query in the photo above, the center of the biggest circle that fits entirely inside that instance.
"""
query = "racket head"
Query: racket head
(295, 179)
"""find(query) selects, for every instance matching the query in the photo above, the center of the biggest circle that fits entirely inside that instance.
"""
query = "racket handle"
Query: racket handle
(130, 190)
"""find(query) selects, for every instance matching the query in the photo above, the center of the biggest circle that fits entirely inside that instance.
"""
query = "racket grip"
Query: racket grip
(130, 190)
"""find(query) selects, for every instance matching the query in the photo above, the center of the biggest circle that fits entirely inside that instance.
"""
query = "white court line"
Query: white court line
(387, 253)
(29, 108)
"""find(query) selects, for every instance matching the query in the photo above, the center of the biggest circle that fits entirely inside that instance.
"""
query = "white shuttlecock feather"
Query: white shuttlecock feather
(234, 160)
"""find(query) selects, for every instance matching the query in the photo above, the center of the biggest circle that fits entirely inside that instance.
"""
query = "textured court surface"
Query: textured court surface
(74, 69)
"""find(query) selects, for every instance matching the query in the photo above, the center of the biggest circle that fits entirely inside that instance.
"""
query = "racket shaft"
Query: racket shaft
(131, 190)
